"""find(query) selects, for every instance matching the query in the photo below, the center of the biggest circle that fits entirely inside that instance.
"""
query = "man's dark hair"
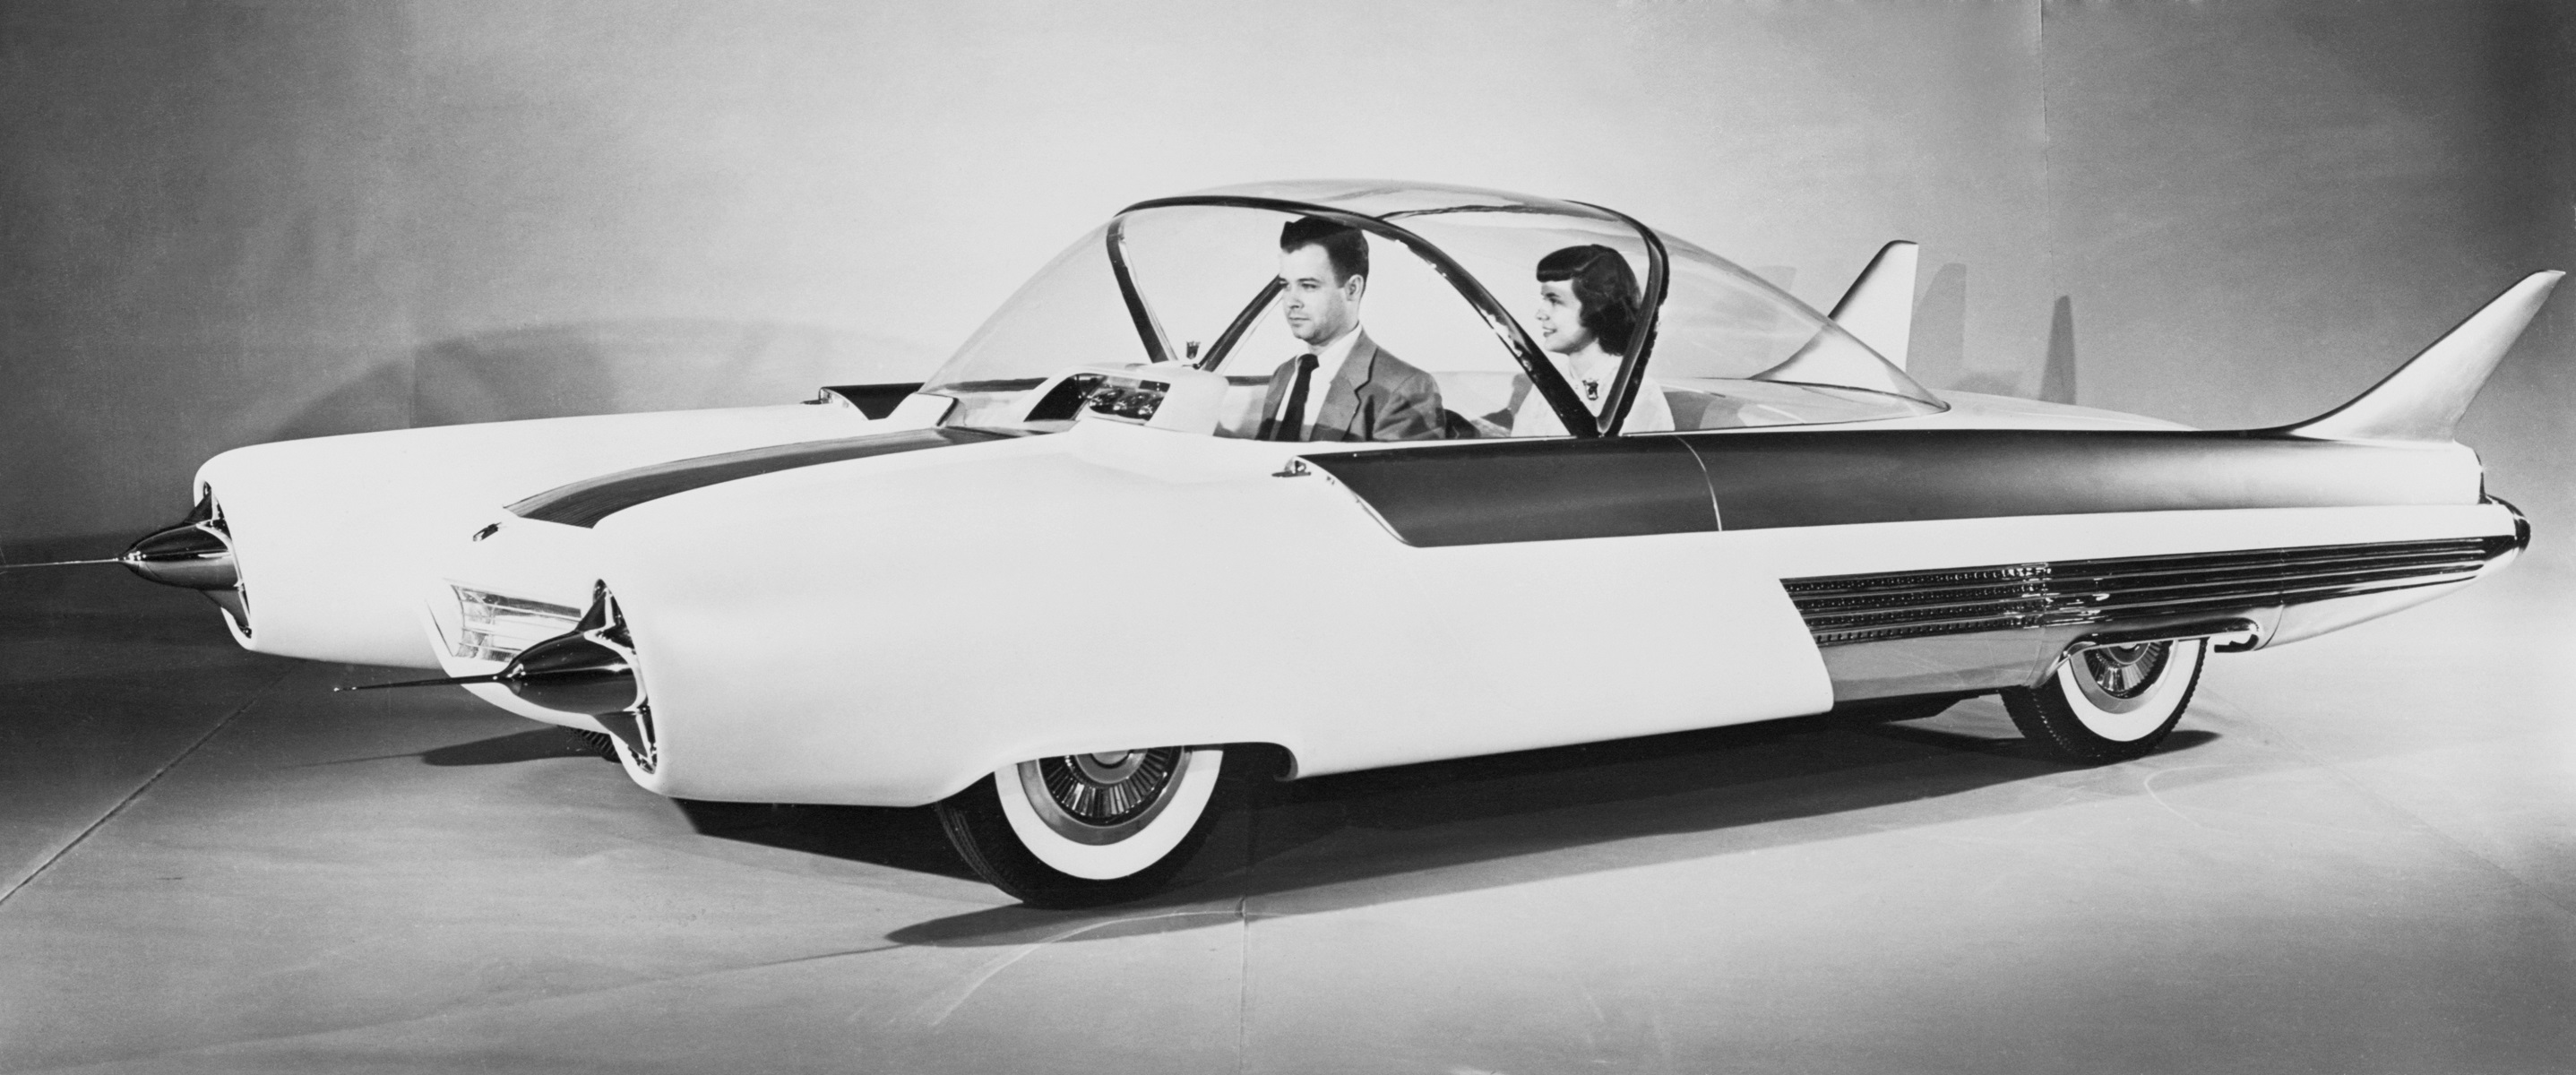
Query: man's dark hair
(1343, 244)
(1604, 285)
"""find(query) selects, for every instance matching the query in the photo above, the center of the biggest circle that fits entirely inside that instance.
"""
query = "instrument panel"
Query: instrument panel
(1166, 395)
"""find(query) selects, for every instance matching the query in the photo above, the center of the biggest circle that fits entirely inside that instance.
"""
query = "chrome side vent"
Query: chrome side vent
(1845, 609)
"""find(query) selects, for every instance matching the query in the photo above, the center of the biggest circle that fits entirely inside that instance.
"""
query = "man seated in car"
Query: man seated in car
(1345, 387)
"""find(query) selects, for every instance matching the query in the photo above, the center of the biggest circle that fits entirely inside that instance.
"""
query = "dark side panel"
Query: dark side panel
(586, 502)
(1539, 490)
(1834, 477)
(1532, 490)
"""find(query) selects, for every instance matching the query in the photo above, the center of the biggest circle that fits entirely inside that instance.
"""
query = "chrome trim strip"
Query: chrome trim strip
(2178, 633)
(1844, 609)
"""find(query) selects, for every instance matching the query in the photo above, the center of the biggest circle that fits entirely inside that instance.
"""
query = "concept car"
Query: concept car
(1061, 587)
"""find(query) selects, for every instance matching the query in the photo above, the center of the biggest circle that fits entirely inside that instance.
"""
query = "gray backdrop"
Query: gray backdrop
(225, 223)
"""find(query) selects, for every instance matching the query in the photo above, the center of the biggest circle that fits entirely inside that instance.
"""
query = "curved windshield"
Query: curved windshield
(1476, 345)
(1069, 314)
(1209, 291)
(1731, 350)
(1388, 199)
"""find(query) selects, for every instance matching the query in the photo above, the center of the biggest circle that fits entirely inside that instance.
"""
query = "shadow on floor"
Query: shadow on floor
(533, 745)
(904, 839)
(1389, 834)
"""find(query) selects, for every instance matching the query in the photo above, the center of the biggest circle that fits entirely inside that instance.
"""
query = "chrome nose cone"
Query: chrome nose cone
(575, 673)
(591, 669)
(195, 554)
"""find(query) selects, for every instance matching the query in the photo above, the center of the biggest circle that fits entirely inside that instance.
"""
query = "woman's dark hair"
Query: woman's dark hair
(1606, 287)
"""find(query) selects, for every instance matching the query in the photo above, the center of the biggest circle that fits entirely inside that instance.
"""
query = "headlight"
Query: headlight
(495, 627)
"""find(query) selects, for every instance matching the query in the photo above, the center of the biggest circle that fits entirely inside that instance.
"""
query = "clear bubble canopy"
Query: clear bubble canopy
(1451, 288)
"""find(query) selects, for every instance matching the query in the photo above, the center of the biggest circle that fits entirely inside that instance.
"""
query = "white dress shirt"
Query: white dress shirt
(1650, 414)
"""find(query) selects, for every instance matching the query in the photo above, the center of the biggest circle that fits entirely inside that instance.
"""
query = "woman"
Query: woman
(1587, 319)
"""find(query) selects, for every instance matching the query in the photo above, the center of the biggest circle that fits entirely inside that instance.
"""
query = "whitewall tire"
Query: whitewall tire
(2110, 703)
(1087, 829)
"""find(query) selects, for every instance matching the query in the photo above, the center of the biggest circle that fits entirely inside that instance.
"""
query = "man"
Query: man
(1345, 387)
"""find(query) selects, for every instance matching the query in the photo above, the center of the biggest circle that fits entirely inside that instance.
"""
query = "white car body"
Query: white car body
(889, 627)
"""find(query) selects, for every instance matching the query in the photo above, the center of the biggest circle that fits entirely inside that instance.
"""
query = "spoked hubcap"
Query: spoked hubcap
(2125, 671)
(1110, 768)
(1102, 798)
(2109, 703)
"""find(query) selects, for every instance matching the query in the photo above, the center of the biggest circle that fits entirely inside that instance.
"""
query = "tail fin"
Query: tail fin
(2424, 399)
(1879, 308)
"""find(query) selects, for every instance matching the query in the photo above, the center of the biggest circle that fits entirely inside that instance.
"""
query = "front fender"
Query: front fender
(886, 632)
(333, 535)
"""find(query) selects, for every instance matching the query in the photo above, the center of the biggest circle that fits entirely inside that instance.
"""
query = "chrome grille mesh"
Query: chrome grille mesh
(1843, 609)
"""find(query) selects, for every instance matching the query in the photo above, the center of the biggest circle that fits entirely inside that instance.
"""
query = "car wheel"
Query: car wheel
(1086, 829)
(2109, 703)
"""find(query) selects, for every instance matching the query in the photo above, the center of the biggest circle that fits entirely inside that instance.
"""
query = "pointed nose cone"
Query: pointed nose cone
(191, 554)
(574, 673)
(196, 554)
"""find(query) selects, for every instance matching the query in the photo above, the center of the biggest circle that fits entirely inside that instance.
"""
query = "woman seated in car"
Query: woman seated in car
(1587, 318)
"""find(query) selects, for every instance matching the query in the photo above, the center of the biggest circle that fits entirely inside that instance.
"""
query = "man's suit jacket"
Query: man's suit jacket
(1376, 396)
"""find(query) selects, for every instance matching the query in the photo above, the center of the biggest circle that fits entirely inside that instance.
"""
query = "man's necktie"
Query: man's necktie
(1290, 422)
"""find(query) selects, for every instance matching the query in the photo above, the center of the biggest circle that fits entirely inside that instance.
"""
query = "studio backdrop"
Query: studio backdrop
(226, 223)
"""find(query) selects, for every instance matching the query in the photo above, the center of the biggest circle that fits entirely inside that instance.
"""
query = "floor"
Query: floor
(2358, 855)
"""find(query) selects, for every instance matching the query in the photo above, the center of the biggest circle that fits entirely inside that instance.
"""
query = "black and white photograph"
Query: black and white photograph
(1530, 536)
